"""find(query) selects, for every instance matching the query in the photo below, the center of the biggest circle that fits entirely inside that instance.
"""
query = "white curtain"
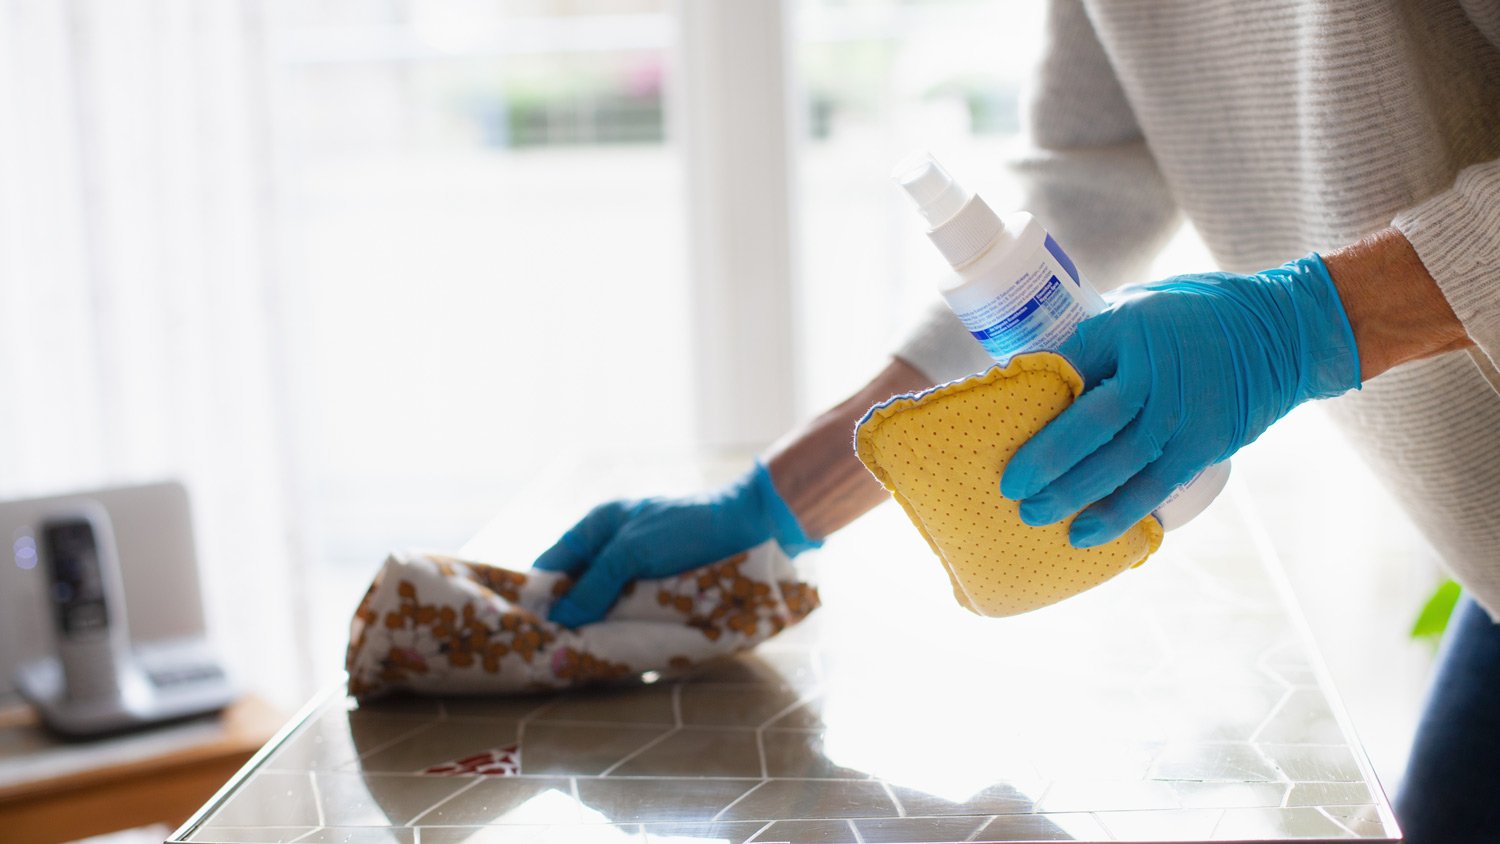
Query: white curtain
(139, 330)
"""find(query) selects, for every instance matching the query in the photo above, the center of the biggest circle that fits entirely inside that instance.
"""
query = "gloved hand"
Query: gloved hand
(620, 541)
(1178, 375)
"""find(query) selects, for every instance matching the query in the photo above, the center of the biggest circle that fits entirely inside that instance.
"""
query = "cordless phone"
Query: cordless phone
(87, 602)
(99, 682)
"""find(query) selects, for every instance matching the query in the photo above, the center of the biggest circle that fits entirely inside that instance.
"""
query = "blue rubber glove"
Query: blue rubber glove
(620, 541)
(1178, 375)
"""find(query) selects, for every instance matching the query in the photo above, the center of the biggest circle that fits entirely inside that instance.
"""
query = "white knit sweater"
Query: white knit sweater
(1282, 128)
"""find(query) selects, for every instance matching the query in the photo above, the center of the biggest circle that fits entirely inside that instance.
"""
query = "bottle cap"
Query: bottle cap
(960, 224)
(930, 187)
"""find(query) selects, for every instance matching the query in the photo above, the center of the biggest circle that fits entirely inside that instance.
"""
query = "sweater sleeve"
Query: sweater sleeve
(1457, 232)
(1086, 174)
(1457, 235)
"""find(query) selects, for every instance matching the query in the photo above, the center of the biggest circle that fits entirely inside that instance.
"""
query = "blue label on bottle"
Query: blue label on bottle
(1024, 325)
(1062, 258)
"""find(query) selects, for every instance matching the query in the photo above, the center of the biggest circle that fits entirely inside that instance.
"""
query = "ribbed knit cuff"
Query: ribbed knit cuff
(941, 348)
(1457, 235)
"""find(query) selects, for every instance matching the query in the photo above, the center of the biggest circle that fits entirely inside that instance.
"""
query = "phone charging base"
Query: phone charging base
(139, 702)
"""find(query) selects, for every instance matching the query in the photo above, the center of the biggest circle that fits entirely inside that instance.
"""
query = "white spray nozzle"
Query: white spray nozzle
(936, 195)
(959, 223)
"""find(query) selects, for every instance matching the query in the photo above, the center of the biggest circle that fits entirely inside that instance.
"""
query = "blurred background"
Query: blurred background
(359, 271)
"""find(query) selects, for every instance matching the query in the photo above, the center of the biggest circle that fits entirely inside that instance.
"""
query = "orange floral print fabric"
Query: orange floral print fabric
(436, 624)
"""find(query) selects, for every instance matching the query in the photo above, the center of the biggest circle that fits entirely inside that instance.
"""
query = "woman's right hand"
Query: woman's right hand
(621, 541)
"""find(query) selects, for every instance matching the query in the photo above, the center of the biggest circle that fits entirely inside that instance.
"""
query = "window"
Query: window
(483, 208)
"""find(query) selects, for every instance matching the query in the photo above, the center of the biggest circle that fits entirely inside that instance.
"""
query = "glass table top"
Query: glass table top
(1181, 701)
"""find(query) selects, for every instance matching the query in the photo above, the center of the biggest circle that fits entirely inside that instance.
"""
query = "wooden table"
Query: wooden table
(56, 790)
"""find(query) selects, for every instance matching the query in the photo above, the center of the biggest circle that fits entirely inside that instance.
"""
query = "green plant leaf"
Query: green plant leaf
(1433, 619)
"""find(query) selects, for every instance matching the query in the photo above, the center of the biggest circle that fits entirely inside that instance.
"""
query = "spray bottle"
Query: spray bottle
(1016, 290)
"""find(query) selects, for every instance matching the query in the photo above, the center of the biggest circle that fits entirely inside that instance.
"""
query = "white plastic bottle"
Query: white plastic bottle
(1016, 290)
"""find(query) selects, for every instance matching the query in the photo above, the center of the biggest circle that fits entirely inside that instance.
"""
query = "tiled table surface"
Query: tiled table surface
(1179, 702)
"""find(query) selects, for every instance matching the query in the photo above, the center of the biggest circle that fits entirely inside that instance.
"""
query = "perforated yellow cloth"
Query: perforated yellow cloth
(940, 454)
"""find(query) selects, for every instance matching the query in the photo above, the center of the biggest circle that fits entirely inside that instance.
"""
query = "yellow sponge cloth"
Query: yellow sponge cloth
(941, 453)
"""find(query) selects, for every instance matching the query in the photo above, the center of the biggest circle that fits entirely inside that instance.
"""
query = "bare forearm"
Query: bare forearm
(1395, 307)
(814, 467)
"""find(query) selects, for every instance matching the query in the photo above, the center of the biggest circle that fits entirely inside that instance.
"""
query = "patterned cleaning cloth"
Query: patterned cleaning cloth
(440, 625)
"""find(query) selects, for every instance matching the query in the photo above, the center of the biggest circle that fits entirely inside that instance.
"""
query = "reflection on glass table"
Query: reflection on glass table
(1179, 702)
